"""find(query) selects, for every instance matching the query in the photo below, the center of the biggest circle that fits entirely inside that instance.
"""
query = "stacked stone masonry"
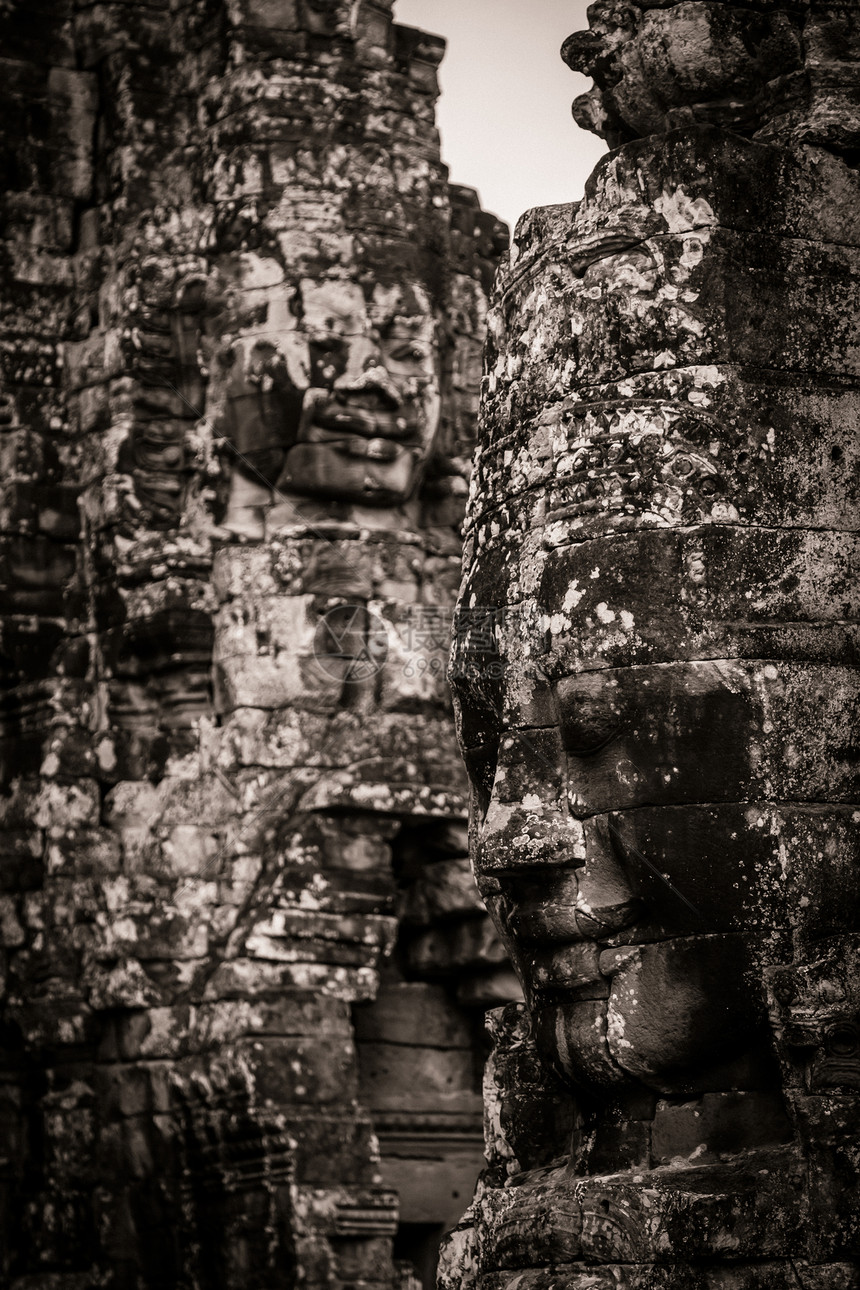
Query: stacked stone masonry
(244, 965)
(663, 757)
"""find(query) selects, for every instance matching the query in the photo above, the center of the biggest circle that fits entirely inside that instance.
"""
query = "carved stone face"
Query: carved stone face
(371, 411)
(643, 837)
(660, 739)
(330, 387)
(706, 62)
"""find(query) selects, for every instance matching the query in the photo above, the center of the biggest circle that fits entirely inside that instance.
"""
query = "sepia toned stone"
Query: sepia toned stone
(655, 671)
(242, 316)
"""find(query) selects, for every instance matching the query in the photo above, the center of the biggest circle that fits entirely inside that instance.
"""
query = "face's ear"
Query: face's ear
(259, 407)
(445, 339)
(186, 325)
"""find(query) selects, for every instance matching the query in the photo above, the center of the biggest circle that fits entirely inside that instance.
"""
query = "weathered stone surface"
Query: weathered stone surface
(242, 311)
(656, 664)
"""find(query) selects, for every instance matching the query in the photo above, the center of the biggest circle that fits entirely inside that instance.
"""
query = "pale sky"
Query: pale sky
(504, 114)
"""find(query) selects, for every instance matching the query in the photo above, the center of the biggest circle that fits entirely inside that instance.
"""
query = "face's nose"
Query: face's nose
(547, 876)
(366, 374)
(527, 822)
(607, 901)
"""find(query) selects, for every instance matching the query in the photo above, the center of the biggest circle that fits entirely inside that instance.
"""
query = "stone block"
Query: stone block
(443, 952)
(718, 1123)
(441, 892)
(414, 1014)
(402, 1077)
(433, 1190)
(264, 655)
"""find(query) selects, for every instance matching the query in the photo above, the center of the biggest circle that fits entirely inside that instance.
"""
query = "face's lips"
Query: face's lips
(569, 967)
(546, 924)
(374, 449)
(576, 971)
(351, 445)
(560, 944)
(541, 922)
(370, 422)
(566, 963)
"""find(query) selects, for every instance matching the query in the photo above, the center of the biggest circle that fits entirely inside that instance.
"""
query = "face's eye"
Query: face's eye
(408, 354)
(328, 359)
(592, 711)
(481, 769)
(477, 705)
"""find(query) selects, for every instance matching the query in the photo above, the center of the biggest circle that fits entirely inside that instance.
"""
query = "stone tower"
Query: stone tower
(663, 752)
(242, 315)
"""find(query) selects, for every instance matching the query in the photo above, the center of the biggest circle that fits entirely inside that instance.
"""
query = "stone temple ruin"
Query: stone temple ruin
(665, 765)
(245, 965)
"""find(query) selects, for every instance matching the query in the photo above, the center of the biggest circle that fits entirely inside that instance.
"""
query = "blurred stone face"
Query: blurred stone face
(327, 388)
(371, 410)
